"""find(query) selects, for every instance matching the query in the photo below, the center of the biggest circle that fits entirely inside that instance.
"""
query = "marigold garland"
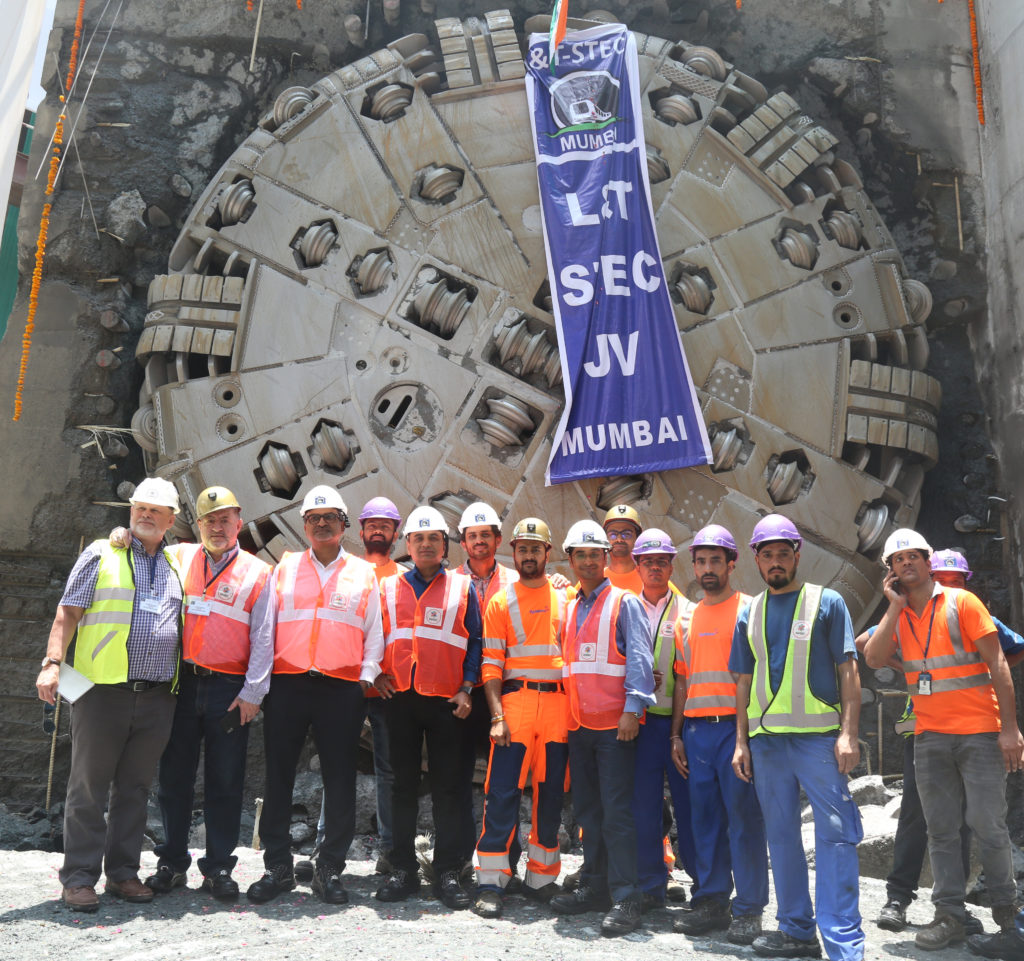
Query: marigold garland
(978, 95)
(44, 220)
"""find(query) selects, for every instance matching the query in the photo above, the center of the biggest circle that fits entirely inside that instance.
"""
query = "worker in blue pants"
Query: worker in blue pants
(664, 605)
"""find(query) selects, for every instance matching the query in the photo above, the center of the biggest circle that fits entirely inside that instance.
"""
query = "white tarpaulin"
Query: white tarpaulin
(20, 37)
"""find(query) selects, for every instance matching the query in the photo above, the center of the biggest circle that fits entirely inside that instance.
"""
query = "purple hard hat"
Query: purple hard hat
(714, 535)
(775, 527)
(951, 561)
(653, 541)
(380, 507)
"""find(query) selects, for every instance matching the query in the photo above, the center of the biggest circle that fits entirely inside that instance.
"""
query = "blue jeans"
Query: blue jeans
(726, 820)
(784, 763)
(200, 708)
(653, 764)
(601, 769)
(952, 769)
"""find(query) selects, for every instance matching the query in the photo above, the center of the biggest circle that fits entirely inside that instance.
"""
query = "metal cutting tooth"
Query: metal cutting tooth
(333, 447)
(236, 201)
(290, 103)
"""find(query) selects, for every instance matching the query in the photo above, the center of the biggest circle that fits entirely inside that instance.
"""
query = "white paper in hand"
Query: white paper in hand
(72, 684)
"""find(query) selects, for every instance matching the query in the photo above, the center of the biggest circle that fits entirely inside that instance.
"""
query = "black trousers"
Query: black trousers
(411, 718)
(333, 709)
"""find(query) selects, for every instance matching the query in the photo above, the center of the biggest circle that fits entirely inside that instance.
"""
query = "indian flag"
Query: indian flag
(557, 32)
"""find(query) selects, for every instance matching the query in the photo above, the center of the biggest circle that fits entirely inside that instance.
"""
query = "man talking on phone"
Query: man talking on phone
(227, 654)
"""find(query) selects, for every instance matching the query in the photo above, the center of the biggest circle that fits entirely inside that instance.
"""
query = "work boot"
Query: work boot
(1004, 915)
(487, 904)
(580, 901)
(943, 931)
(276, 880)
(81, 898)
(778, 944)
(893, 916)
(398, 886)
(707, 915)
(131, 890)
(744, 929)
(1006, 946)
(541, 895)
(327, 884)
(571, 881)
(221, 885)
(973, 924)
(623, 918)
(451, 892)
(166, 879)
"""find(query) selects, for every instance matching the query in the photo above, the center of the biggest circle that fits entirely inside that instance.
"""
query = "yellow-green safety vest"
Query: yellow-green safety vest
(793, 708)
(678, 606)
(101, 648)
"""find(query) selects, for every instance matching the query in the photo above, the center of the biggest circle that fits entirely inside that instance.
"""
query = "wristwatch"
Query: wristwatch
(639, 715)
(466, 689)
(47, 661)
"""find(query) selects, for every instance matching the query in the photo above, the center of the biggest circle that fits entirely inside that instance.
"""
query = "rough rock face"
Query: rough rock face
(173, 96)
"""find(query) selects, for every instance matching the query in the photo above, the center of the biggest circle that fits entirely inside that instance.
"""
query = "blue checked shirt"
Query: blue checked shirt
(153, 638)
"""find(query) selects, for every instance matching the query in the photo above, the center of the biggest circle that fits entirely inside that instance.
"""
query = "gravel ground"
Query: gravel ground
(189, 924)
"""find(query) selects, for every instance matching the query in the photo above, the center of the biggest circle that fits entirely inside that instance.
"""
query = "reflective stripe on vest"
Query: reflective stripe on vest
(101, 645)
(950, 672)
(321, 628)
(678, 608)
(535, 662)
(220, 640)
(793, 709)
(710, 692)
(594, 670)
(428, 633)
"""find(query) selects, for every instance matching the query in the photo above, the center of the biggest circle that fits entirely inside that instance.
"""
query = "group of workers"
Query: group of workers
(613, 684)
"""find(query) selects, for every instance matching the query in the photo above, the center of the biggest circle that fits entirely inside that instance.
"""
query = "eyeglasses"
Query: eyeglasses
(621, 535)
(315, 519)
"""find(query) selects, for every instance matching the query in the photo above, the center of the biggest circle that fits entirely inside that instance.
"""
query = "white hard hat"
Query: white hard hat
(425, 519)
(586, 534)
(157, 491)
(323, 496)
(904, 540)
(478, 515)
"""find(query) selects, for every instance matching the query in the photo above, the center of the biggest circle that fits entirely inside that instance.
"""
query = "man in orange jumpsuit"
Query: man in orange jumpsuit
(522, 674)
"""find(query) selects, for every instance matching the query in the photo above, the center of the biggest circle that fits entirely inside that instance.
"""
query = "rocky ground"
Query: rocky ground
(189, 924)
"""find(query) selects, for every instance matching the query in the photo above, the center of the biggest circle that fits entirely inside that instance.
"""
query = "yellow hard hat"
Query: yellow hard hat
(215, 499)
(532, 529)
(622, 512)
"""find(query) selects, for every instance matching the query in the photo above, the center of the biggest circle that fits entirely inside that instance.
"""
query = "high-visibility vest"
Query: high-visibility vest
(793, 708)
(537, 658)
(220, 640)
(629, 581)
(101, 647)
(426, 633)
(710, 688)
(321, 628)
(676, 615)
(595, 671)
(954, 667)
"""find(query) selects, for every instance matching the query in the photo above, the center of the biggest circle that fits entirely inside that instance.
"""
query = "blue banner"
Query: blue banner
(630, 405)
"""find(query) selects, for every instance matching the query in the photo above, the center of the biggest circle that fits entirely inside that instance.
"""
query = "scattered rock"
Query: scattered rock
(157, 218)
(869, 790)
(180, 185)
(124, 217)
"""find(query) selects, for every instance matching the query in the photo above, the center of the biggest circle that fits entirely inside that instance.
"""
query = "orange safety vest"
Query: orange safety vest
(321, 628)
(219, 640)
(962, 699)
(500, 579)
(630, 582)
(426, 633)
(595, 671)
(526, 658)
(710, 688)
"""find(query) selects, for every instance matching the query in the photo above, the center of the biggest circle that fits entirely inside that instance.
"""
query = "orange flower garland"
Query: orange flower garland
(978, 96)
(44, 220)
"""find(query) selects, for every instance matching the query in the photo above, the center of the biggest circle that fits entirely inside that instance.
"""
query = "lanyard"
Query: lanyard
(206, 572)
(931, 620)
(152, 569)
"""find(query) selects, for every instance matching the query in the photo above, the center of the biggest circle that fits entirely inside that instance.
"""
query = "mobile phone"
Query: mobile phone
(231, 721)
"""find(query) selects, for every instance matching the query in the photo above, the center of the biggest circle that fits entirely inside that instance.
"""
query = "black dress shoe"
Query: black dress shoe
(275, 881)
(1006, 945)
(398, 886)
(451, 892)
(580, 901)
(166, 879)
(623, 917)
(327, 884)
(221, 885)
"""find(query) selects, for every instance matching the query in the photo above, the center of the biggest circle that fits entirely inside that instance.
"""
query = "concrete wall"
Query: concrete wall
(998, 337)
